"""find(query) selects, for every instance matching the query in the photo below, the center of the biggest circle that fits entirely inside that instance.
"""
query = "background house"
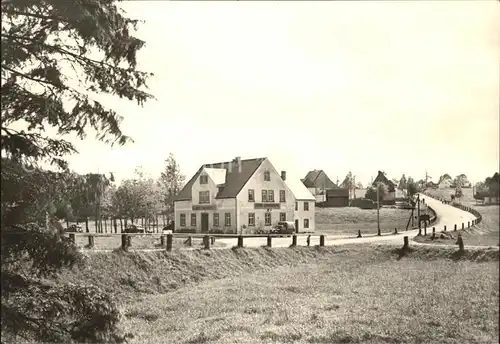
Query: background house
(317, 182)
(337, 197)
(445, 182)
(390, 188)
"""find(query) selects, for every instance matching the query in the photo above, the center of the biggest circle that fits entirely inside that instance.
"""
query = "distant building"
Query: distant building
(337, 197)
(445, 182)
(317, 182)
(390, 188)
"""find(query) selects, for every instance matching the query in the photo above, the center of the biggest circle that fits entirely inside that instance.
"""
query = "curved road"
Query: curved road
(447, 215)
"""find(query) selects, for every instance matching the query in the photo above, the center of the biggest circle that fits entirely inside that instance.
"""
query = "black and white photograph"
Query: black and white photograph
(258, 172)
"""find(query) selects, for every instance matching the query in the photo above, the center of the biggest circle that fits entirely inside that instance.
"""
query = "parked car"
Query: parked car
(134, 229)
(285, 227)
(74, 229)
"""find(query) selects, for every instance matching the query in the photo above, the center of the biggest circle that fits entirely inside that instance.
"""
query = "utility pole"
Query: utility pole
(354, 186)
(378, 210)
(418, 215)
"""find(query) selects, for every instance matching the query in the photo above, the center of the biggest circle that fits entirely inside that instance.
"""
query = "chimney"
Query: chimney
(283, 175)
(237, 164)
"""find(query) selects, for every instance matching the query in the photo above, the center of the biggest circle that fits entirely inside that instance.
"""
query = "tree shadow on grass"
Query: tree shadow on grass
(402, 252)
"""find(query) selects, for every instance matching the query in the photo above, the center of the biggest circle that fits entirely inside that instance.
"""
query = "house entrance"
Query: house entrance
(297, 226)
(204, 222)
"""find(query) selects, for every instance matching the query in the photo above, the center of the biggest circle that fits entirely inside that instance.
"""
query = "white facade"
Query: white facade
(304, 213)
(248, 211)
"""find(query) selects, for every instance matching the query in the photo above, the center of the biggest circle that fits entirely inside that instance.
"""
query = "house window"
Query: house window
(267, 219)
(306, 206)
(193, 220)
(296, 205)
(282, 196)
(267, 176)
(282, 216)
(306, 223)
(264, 195)
(216, 219)
(203, 179)
(227, 219)
(251, 219)
(204, 197)
(183, 220)
(251, 195)
(270, 195)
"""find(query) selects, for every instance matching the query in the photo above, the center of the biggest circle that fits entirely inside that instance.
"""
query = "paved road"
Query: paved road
(447, 216)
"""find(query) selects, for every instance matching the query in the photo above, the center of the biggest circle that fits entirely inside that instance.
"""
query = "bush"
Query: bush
(217, 231)
(35, 306)
(186, 230)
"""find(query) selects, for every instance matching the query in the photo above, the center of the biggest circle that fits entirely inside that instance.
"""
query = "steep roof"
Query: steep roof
(236, 177)
(318, 179)
(382, 179)
(444, 179)
(299, 190)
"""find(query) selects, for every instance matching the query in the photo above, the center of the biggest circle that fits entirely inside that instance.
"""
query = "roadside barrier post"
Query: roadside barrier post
(463, 225)
(162, 241)
(189, 241)
(455, 229)
(206, 242)
(321, 240)
(269, 241)
(395, 231)
(129, 241)
(425, 229)
(240, 241)
(294, 240)
(72, 237)
(91, 241)
(445, 228)
(460, 243)
(170, 240)
(359, 233)
(124, 242)
(468, 224)
(433, 232)
(405, 242)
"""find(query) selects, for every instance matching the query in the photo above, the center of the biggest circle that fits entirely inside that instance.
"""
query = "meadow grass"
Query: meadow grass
(487, 232)
(348, 220)
(351, 294)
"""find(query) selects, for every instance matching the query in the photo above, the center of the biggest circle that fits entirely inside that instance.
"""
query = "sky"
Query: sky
(402, 87)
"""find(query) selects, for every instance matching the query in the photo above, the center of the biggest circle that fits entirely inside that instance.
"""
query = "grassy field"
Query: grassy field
(348, 220)
(302, 295)
(485, 233)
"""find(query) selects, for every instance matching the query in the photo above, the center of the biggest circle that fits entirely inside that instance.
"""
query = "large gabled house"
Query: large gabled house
(239, 196)
(445, 182)
(390, 187)
(317, 182)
